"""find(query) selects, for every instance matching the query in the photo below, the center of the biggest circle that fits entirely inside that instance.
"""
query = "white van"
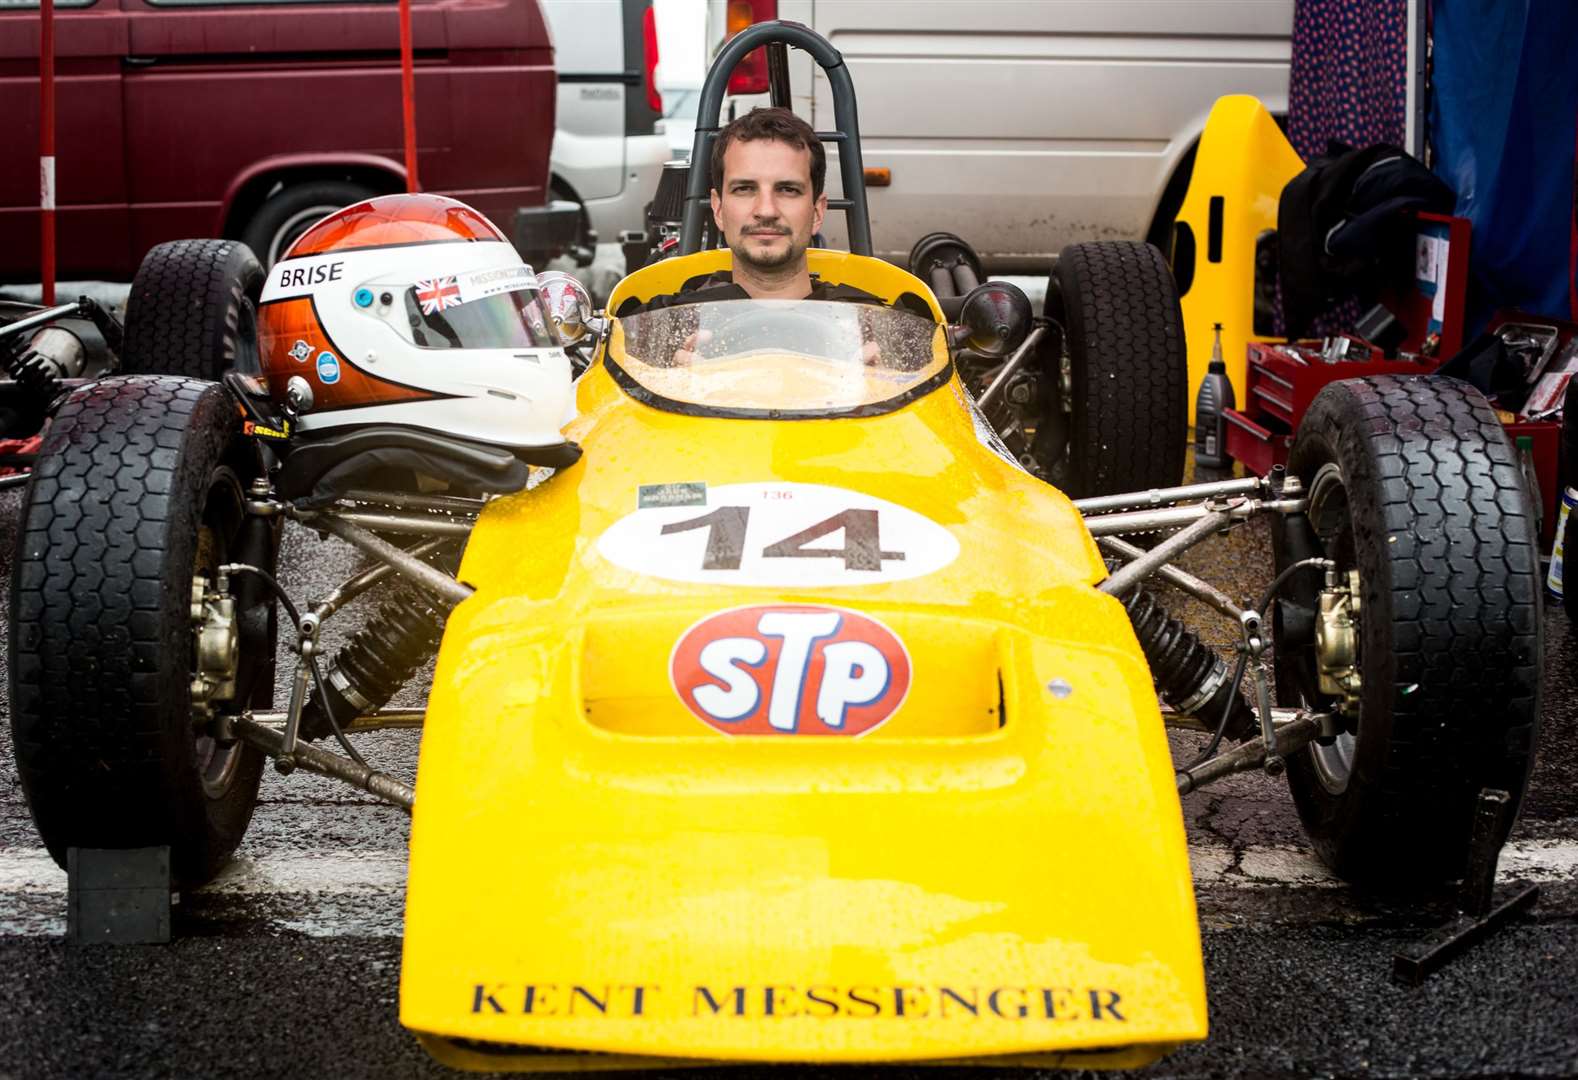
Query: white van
(608, 146)
(1025, 125)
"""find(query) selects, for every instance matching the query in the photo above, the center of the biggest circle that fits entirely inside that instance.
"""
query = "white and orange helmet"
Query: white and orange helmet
(414, 310)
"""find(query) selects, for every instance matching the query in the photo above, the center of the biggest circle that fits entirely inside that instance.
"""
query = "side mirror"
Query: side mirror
(996, 318)
(569, 305)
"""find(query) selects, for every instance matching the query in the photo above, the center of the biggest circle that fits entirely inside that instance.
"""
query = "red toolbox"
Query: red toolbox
(1280, 381)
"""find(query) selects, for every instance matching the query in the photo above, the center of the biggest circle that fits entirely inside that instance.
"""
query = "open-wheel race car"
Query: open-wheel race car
(780, 712)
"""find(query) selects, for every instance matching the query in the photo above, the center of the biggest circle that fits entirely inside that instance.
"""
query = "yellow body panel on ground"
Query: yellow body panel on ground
(1243, 163)
(998, 869)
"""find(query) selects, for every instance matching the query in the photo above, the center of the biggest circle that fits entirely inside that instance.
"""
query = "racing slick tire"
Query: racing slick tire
(193, 310)
(1120, 419)
(294, 209)
(1412, 483)
(140, 483)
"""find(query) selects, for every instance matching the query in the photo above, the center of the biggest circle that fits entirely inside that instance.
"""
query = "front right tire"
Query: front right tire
(139, 485)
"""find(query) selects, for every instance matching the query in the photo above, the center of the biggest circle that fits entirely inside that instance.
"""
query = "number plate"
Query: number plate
(780, 534)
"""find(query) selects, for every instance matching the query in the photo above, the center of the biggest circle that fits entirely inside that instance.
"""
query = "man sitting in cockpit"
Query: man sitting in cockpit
(768, 171)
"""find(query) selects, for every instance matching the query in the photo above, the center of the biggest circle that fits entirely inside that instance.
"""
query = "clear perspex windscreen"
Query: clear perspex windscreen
(790, 355)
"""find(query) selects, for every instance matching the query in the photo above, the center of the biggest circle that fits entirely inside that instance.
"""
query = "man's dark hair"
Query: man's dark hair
(777, 125)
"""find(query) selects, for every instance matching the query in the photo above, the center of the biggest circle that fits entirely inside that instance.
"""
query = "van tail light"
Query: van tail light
(750, 76)
(649, 48)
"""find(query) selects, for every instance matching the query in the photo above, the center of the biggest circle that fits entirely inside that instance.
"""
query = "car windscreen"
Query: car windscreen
(778, 357)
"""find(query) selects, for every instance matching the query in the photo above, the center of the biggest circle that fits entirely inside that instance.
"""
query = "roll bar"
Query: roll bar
(777, 36)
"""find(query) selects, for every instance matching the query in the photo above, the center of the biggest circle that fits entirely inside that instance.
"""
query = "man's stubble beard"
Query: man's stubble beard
(772, 265)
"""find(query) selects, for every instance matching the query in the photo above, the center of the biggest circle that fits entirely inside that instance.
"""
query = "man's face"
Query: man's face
(765, 208)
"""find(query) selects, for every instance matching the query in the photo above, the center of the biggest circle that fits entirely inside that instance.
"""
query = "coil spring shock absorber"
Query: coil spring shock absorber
(1189, 675)
(402, 635)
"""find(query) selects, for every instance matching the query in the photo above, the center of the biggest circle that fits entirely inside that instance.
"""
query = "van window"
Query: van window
(32, 5)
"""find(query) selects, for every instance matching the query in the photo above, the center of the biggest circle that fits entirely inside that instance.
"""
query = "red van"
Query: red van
(180, 118)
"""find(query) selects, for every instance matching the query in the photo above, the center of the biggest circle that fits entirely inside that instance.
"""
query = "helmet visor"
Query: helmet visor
(506, 320)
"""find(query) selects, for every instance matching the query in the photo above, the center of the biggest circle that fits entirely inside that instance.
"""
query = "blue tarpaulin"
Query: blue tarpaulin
(1504, 124)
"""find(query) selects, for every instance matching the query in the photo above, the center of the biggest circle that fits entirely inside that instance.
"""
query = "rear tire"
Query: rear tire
(140, 484)
(193, 311)
(1120, 419)
(1412, 483)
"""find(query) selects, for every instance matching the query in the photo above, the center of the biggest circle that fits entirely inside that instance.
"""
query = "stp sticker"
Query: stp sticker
(778, 534)
(790, 669)
(328, 367)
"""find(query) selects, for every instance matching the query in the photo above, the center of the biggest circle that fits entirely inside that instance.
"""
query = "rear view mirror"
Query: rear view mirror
(996, 318)
(569, 305)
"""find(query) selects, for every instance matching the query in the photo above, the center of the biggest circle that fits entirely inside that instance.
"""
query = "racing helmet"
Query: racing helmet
(413, 310)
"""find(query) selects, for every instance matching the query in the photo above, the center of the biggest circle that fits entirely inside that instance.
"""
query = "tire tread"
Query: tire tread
(1130, 423)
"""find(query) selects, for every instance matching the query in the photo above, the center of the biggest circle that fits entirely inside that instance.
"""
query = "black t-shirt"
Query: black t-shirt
(721, 286)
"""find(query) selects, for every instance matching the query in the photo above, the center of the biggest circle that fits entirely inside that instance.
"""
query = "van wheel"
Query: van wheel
(1119, 419)
(294, 209)
(140, 487)
(193, 310)
(1433, 658)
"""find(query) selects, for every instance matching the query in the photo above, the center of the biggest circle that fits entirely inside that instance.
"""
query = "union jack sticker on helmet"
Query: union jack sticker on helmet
(436, 294)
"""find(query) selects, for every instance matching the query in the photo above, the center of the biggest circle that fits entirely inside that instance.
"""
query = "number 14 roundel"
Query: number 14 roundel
(779, 533)
(790, 669)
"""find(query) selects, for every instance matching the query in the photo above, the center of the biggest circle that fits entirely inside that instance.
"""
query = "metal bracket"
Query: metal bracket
(1482, 908)
(307, 645)
(118, 897)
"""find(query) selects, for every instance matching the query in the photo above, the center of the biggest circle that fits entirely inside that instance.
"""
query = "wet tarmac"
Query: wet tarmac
(289, 967)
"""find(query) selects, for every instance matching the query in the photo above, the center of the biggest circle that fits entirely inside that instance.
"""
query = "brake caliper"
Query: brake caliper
(218, 646)
(1337, 639)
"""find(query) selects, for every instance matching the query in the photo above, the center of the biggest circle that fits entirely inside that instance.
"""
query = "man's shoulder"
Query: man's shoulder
(708, 288)
(823, 290)
(701, 289)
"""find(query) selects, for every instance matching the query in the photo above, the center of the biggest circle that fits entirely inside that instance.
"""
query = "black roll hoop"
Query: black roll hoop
(776, 35)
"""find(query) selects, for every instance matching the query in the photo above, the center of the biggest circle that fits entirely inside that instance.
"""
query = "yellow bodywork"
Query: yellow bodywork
(1242, 165)
(999, 871)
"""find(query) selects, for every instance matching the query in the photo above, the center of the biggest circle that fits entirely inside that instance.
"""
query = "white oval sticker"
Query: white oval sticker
(780, 534)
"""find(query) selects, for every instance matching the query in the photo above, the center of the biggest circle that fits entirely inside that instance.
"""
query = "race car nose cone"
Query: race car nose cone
(799, 899)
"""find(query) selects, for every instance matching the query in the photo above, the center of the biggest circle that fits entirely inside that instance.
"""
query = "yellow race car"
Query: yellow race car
(779, 713)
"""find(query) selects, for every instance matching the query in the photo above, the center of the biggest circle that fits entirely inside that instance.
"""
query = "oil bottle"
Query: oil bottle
(1210, 407)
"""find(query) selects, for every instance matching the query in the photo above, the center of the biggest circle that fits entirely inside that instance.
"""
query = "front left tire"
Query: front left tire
(1414, 490)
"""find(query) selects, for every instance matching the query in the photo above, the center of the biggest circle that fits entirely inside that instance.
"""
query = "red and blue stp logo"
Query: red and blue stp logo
(790, 669)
